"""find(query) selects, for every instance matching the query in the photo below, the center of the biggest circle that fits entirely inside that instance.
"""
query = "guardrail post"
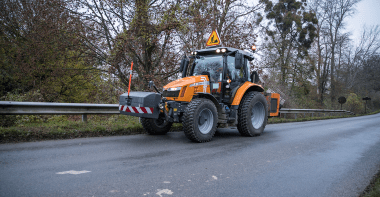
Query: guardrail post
(84, 118)
(312, 115)
(295, 115)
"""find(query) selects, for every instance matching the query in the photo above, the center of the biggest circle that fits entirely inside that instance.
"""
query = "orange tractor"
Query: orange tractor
(216, 89)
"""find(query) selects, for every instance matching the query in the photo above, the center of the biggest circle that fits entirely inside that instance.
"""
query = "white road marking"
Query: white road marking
(164, 191)
(166, 181)
(73, 172)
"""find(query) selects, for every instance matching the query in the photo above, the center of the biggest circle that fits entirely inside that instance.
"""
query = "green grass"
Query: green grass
(373, 189)
(61, 127)
(275, 120)
(308, 117)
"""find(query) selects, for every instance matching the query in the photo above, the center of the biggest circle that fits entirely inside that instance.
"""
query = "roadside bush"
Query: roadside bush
(355, 103)
(7, 120)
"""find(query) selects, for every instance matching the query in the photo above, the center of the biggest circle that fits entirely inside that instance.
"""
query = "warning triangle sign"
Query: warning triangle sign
(213, 39)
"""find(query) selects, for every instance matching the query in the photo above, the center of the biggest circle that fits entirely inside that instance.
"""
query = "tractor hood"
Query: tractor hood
(195, 80)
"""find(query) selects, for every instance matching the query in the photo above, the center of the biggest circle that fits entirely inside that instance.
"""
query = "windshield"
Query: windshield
(212, 64)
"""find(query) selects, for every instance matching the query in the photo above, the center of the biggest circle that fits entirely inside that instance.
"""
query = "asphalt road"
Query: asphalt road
(317, 158)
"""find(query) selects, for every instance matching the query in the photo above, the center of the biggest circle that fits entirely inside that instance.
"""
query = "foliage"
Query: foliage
(355, 104)
(7, 120)
(236, 22)
(291, 30)
(41, 52)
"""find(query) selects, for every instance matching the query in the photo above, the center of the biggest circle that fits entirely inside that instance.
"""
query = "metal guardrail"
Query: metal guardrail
(312, 111)
(41, 108)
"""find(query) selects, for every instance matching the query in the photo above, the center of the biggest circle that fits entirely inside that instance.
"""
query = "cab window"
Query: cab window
(212, 64)
(232, 73)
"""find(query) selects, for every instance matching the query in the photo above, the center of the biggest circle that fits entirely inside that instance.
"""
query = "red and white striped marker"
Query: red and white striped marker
(137, 110)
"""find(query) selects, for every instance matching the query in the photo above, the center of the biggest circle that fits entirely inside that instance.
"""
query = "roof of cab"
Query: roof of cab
(229, 49)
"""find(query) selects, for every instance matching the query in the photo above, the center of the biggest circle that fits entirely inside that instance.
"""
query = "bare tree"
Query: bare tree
(119, 32)
(336, 11)
(356, 58)
(235, 20)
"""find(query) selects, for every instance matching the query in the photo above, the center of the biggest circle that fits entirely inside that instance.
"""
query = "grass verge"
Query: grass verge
(373, 189)
(61, 127)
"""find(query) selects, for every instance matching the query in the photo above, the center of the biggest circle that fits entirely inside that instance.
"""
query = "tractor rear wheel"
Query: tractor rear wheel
(156, 126)
(252, 114)
(200, 120)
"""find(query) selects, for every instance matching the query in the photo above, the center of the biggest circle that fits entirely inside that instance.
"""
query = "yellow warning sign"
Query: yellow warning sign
(213, 39)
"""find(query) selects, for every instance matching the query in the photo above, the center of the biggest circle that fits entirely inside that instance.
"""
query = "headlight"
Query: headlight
(223, 50)
(218, 50)
(174, 89)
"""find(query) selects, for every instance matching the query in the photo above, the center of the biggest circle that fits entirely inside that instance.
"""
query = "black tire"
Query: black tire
(252, 114)
(156, 126)
(201, 117)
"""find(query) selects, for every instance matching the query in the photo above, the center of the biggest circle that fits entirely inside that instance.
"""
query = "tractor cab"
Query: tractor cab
(226, 68)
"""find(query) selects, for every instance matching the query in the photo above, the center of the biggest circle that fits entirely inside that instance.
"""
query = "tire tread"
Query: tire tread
(243, 112)
(151, 128)
(188, 124)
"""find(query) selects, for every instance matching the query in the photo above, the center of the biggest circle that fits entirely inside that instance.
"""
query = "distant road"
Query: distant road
(335, 157)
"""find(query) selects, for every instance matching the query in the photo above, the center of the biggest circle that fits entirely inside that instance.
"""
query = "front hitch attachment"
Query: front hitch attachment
(151, 84)
(128, 100)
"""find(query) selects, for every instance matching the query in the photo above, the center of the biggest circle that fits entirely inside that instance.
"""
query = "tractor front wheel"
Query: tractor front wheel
(156, 126)
(200, 120)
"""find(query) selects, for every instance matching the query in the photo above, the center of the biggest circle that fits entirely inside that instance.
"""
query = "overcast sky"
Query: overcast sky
(367, 13)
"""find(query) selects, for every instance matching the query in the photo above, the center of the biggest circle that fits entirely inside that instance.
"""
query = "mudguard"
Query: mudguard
(140, 104)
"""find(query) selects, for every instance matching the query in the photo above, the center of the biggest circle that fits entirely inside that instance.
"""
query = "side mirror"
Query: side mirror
(184, 63)
(150, 84)
(255, 77)
(239, 60)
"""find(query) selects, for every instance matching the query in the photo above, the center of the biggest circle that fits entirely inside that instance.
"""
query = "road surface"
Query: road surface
(336, 157)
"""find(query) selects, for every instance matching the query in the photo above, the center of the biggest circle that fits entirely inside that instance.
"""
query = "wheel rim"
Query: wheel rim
(258, 115)
(160, 122)
(205, 121)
